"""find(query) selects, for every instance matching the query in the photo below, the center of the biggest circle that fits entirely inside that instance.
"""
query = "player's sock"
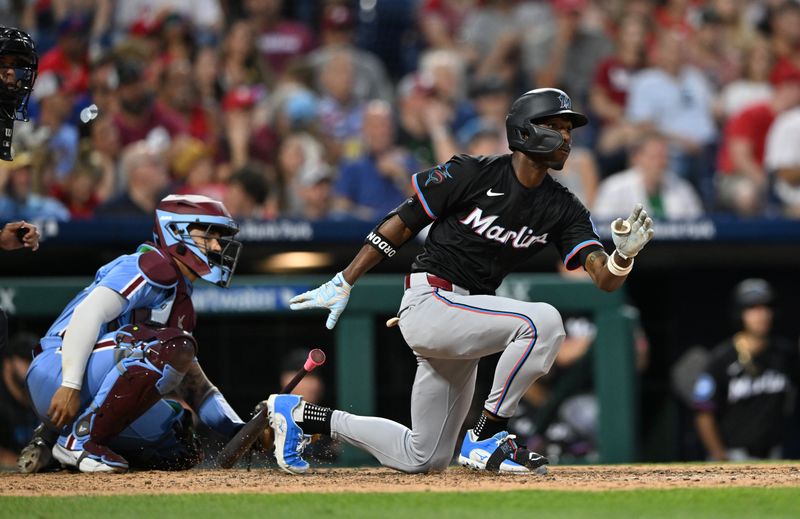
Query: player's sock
(316, 419)
(488, 426)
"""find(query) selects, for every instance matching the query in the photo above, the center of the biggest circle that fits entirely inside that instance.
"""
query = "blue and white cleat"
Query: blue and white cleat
(289, 438)
(500, 453)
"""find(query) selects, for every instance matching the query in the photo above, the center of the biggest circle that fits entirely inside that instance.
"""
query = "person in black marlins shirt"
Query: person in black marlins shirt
(740, 399)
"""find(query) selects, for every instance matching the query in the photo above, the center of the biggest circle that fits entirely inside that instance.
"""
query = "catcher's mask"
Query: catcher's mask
(531, 107)
(178, 215)
(19, 63)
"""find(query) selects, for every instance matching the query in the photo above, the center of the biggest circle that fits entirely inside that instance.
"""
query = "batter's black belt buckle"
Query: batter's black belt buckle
(423, 278)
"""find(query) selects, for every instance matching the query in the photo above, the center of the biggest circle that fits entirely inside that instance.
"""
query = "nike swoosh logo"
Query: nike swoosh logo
(492, 193)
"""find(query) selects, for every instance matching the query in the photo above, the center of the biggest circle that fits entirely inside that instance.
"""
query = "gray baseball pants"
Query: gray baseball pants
(449, 331)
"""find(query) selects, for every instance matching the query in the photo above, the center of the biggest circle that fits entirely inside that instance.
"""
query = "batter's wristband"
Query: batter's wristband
(381, 244)
(615, 269)
(623, 256)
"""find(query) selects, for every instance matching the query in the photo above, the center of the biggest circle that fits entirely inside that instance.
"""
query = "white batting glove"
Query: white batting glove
(333, 295)
(631, 235)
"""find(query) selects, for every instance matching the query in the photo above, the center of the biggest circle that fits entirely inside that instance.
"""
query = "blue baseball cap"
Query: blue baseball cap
(301, 107)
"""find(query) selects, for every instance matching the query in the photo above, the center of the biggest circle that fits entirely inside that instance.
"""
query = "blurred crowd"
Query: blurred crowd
(323, 109)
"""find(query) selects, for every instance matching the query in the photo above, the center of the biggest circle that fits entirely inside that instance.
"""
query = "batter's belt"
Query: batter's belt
(425, 279)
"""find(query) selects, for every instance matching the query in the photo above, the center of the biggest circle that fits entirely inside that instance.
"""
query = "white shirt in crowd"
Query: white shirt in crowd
(783, 151)
(742, 93)
(626, 189)
(679, 105)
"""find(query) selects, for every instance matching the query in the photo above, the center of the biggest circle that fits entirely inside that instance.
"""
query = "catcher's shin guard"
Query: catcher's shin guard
(143, 380)
(155, 367)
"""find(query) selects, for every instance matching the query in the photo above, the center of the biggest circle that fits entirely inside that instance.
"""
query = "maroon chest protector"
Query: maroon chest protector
(160, 269)
(182, 314)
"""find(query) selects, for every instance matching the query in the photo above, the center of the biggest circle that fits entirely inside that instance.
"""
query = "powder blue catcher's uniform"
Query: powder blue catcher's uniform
(154, 294)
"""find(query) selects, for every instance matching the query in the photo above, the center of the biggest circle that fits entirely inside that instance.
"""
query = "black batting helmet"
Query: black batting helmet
(753, 292)
(17, 55)
(533, 106)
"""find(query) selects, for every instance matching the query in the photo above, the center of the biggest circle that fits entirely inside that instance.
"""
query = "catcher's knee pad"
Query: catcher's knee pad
(162, 346)
(174, 347)
(172, 355)
(170, 351)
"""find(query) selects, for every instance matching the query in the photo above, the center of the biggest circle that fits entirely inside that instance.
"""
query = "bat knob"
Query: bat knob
(621, 227)
(316, 358)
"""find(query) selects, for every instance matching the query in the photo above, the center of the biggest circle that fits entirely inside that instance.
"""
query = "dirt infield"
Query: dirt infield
(612, 477)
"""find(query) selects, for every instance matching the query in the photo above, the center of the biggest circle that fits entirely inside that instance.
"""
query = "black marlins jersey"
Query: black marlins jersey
(749, 404)
(485, 223)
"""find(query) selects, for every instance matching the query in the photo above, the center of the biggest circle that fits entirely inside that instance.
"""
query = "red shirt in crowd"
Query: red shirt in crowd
(196, 122)
(78, 211)
(784, 67)
(75, 77)
(452, 16)
(615, 78)
(283, 42)
(199, 125)
(263, 146)
(162, 116)
(751, 124)
(682, 22)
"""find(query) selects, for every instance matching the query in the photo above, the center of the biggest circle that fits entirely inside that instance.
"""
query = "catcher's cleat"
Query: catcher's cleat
(500, 453)
(36, 456)
(91, 458)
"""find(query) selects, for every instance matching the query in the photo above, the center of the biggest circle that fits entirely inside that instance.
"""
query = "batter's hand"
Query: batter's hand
(333, 295)
(631, 235)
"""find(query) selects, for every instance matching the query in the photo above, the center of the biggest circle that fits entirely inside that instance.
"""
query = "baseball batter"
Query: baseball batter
(489, 214)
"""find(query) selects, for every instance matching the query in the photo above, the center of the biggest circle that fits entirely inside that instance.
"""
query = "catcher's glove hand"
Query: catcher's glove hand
(631, 235)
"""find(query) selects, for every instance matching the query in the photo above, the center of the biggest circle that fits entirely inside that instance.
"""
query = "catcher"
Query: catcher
(102, 371)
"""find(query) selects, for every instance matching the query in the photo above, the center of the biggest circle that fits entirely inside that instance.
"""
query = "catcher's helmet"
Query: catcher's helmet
(19, 64)
(533, 106)
(175, 215)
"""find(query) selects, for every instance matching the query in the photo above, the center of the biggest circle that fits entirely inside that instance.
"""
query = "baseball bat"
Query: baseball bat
(248, 434)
